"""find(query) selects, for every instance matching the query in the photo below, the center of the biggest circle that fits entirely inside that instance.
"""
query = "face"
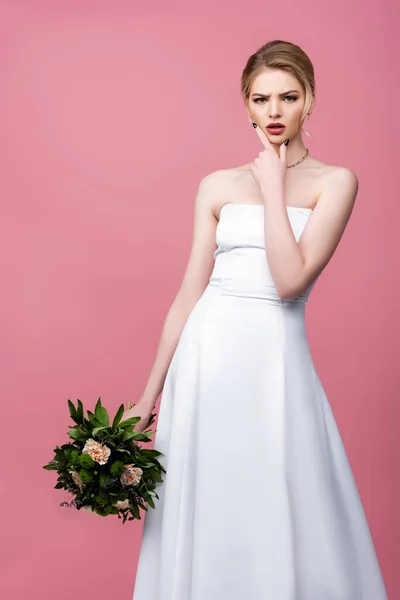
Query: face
(276, 96)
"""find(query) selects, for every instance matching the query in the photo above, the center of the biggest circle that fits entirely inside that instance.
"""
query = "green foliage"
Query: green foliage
(108, 481)
(100, 487)
(74, 456)
(86, 461)
(117, 467)
(86, 476)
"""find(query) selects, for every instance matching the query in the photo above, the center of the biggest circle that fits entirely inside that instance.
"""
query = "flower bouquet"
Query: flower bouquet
(104, 468)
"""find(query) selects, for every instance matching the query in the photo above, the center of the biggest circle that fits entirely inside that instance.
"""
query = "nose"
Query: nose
(274, 113)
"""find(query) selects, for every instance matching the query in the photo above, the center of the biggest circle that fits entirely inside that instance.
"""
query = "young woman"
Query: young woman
(259, 500)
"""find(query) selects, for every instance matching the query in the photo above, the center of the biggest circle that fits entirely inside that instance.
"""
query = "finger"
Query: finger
(263, 137)
(283, 153)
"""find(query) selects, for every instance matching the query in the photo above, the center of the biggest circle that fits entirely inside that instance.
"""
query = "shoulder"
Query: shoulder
(344, 180)
(214, 189)
(223, 177)
(216, 179)
(338, 187)
(339, 179)
(329, 173)
(222, 181)
(341, 175)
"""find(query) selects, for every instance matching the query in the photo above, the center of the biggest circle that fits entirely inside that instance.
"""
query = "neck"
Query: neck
(295, 151)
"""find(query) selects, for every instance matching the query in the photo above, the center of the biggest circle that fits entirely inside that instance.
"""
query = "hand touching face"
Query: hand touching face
(269, 169)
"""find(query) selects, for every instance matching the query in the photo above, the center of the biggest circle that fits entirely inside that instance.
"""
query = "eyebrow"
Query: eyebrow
(284, 93)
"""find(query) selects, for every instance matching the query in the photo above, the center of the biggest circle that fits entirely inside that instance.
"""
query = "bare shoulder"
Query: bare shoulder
(340, 175)
(328, 173)
(215, 189)
(217, 179)
(338, 186)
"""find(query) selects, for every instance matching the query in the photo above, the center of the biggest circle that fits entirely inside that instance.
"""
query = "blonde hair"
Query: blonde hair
(288, 57)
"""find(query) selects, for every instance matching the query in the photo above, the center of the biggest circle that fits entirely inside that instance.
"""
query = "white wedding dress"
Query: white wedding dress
(259, 501)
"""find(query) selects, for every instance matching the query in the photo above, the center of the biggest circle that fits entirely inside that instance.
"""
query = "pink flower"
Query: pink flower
(76, 479)
(99, 452)
(131, 475)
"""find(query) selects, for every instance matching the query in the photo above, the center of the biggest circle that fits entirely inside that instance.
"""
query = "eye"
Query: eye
(291, 98)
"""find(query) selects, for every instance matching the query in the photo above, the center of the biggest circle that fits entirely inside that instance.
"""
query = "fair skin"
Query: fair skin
(329, 190)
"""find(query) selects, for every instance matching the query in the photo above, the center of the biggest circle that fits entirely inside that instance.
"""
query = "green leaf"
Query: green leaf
(102, 416)
(74, 414)
(152, 453)
(135, 511)
(50, 467)
(149, 432)
(144, 464)
(129, 422)
(72, 409)
(97, 429)
(59, 485)
(118, 416)
(74, 433)
(66, 446)
(93, 420)
(79, 413)
(128, 435)
(142, 437)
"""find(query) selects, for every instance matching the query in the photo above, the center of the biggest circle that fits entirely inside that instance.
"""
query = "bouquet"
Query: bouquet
(104, 468)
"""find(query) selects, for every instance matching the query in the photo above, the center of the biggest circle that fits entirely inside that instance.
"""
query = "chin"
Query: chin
(277, 140)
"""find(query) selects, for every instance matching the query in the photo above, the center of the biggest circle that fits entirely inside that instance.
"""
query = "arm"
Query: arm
(294, 266)
(195, 280)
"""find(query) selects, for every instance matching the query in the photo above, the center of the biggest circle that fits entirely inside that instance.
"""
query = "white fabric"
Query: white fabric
(259, 500)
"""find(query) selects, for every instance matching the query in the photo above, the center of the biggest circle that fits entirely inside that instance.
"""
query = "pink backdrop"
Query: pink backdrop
(110, 114)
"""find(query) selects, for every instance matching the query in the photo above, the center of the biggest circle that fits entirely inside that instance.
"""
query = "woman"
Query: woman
(259, 500)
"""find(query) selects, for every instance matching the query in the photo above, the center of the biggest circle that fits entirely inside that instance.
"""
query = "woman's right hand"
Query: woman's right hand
(141, 409)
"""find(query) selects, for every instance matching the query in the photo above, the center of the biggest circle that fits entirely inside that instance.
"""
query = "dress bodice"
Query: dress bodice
(241, 264)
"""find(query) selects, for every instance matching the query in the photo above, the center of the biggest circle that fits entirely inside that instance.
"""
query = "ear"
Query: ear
(246, 104)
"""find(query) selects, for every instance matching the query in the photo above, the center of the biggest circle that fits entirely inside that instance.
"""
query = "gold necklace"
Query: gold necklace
(299, 161)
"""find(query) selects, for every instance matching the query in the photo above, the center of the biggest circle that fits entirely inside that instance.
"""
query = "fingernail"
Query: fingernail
(254, 125)
(286, 142)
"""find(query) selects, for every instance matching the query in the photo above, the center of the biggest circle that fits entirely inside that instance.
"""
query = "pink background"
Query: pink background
(110, 114)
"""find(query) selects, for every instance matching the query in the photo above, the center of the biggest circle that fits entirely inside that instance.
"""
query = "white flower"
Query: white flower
(99, 452)
(122, 504)
(131, 475)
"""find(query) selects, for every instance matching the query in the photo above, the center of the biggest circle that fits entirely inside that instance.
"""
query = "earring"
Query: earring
(303, 130)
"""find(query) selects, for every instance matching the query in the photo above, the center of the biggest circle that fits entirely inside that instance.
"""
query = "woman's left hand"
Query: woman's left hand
(269, 169)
